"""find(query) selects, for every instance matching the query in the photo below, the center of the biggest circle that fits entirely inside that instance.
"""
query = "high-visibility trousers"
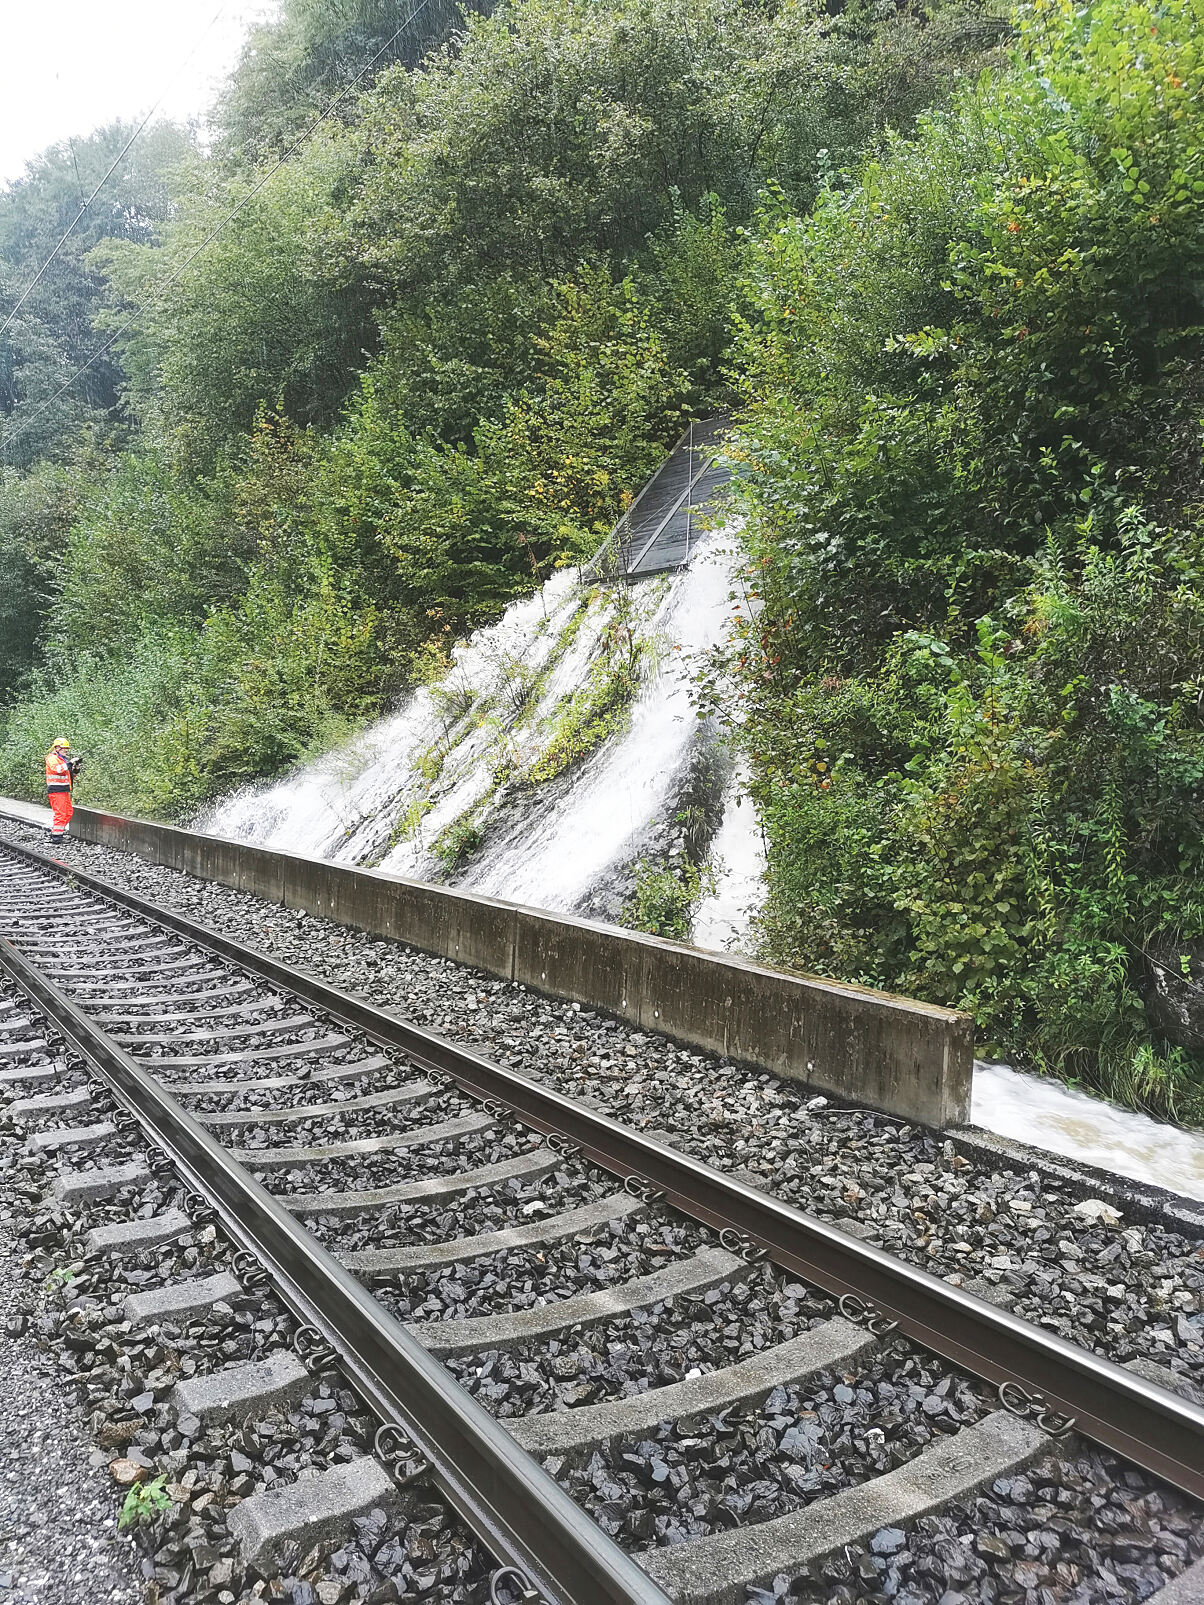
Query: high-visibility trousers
(61, 809)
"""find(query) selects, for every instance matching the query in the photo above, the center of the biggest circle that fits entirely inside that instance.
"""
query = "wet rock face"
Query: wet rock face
(700, 805)
(1174, 991)
(682, 833)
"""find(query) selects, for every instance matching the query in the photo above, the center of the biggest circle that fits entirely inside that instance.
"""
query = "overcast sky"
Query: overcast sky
(69, 66)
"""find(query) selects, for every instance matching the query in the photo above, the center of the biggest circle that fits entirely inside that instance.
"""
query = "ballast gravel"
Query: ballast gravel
(743, 1465)
(1131, 1288)
(390, 1167)
(524, 1278)
(58, 1534)
(59, 1499)
(491, 1209)
(754, 1464)
(356, 1124)
(1078, 1530)
(650, 1348)
(299, 1095)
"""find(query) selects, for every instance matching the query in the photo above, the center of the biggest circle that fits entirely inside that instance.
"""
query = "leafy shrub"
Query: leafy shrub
(973, 483)
(459, 841)
(664, 898)
(1006, 829)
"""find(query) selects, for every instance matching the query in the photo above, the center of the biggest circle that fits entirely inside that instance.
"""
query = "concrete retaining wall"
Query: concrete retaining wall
(908, 1058)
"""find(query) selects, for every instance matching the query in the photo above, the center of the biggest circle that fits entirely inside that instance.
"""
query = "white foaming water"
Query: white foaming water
(345, 805)
(326, 807)
(387, 796)
(1047, 1114)
(724, 915)
(626, 785)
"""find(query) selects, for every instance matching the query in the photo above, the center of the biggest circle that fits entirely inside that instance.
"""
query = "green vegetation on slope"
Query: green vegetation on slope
(426, 362)
(975, 695)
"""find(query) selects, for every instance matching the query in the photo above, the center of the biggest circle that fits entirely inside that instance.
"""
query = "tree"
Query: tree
(36, 511)
(291, 69)
(252, 315)
(54, 333)
(553, 130)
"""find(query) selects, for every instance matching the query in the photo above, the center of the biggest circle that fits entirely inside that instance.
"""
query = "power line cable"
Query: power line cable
(142, 306)
(120, 156)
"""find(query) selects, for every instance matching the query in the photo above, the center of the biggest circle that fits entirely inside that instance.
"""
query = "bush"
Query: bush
(973, 486)
(663, 900)
(1007, 830)
(127, 716)
(458, 842)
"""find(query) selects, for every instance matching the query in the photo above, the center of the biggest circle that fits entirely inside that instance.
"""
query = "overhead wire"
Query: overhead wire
(117, 160)
(141, 306)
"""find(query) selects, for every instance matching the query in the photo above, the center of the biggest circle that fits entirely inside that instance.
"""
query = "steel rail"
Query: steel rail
(519, 1512)
(1147, 1424)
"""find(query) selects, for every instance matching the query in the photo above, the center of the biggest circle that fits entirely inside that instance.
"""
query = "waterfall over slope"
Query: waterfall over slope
(560, 750)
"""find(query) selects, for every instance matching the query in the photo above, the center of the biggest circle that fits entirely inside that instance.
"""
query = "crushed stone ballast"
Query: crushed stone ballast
(534, 1526)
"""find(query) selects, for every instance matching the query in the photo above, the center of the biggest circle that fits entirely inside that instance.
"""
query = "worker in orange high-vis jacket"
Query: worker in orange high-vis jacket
(60, 778)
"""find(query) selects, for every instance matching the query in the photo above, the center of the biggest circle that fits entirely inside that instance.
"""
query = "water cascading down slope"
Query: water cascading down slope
(561, 751)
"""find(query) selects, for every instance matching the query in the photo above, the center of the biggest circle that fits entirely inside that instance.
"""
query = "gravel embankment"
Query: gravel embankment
(58, 1532)
(1131, 1288)
(70, 1357)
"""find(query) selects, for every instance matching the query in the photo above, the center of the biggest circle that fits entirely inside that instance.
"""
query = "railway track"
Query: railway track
(443, 1231)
